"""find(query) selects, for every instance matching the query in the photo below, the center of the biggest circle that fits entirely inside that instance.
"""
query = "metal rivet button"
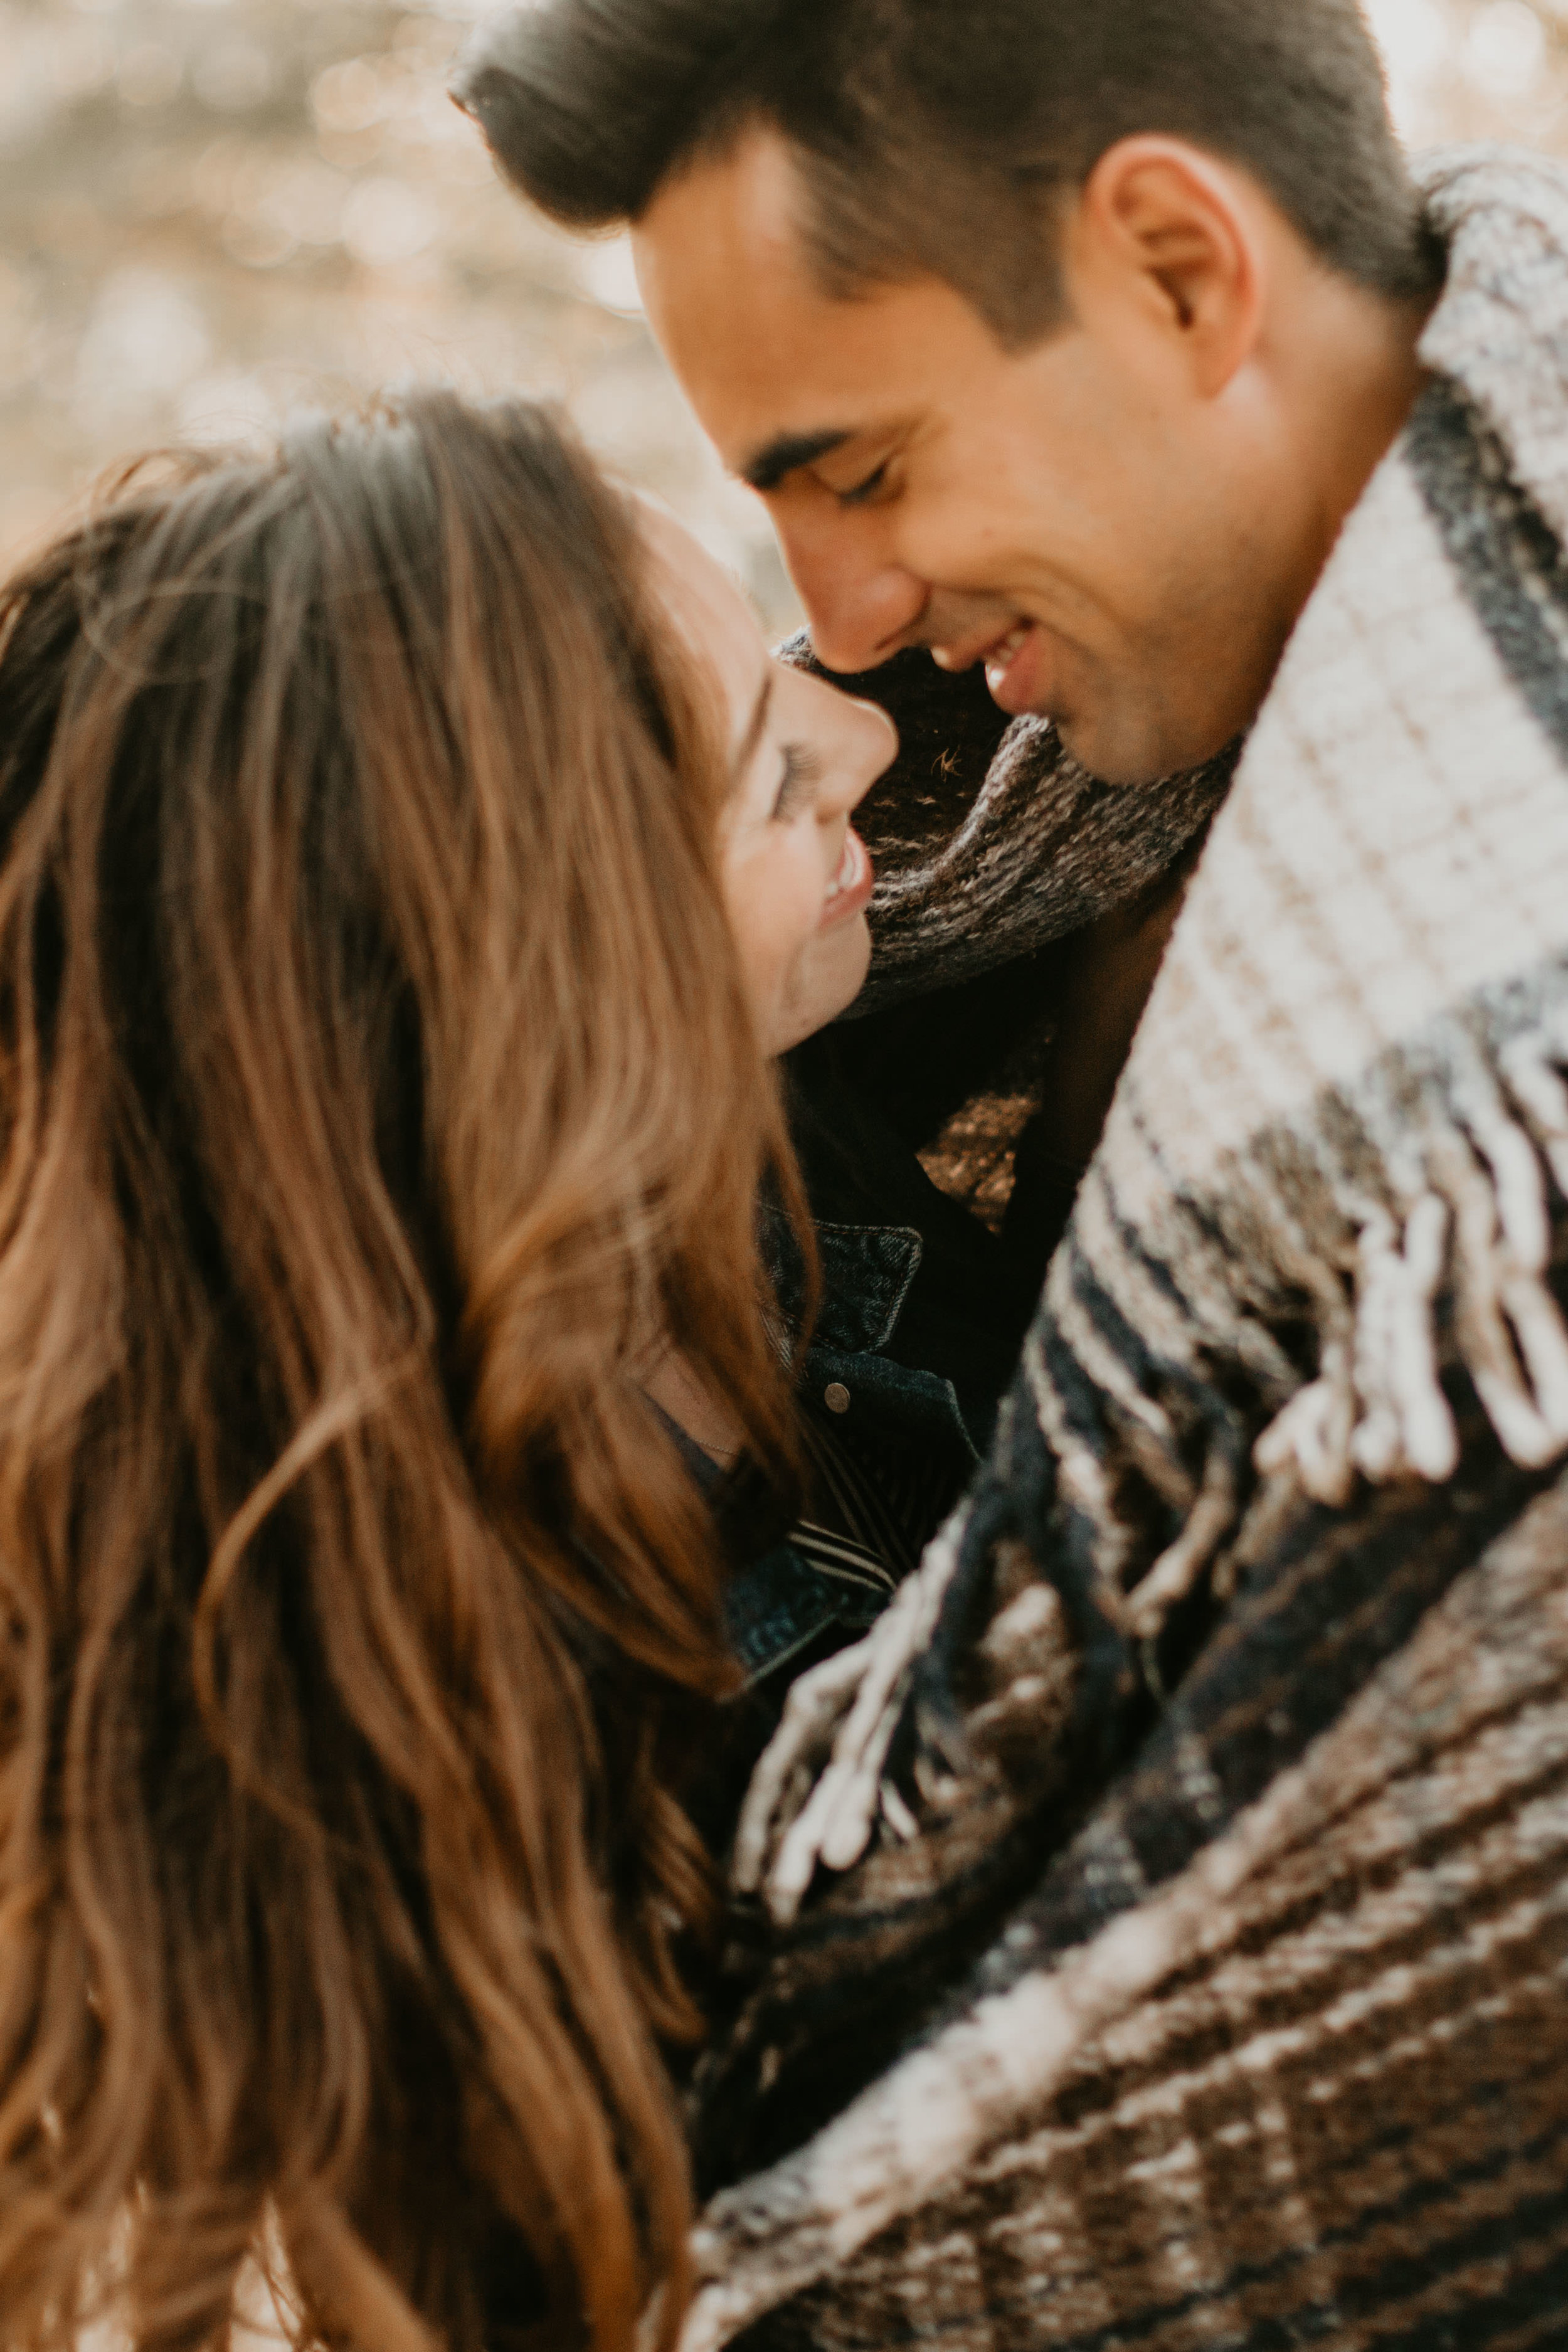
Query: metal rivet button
(835, 1397)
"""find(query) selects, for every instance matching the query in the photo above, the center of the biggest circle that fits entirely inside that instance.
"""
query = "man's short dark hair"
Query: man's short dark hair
(940, 135)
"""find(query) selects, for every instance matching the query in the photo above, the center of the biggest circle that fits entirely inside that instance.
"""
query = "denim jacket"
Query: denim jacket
(782, 1606)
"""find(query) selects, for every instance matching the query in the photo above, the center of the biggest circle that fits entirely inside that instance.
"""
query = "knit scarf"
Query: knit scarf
(1196, 1972)
(969, 880)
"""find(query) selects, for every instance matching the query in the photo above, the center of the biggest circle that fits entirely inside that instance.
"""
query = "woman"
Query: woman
(888, 1442)
(409, 867)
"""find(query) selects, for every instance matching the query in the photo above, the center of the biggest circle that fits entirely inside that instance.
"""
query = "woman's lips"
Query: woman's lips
(849, 892)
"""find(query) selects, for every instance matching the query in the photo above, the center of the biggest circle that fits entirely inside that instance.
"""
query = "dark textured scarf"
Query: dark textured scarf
(969, 880)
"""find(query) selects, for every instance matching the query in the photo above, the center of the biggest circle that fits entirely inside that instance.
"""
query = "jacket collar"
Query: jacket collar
(866, 1273)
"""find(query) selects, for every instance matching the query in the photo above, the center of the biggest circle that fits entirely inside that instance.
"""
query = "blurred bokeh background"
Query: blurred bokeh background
(212, 210)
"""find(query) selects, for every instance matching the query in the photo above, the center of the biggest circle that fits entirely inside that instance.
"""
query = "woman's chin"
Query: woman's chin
(860, 940)
(828, 979)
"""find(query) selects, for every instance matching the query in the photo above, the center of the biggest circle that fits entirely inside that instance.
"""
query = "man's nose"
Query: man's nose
(862, 607)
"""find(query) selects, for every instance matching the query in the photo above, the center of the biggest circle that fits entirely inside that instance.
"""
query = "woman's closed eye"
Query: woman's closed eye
(802, 774)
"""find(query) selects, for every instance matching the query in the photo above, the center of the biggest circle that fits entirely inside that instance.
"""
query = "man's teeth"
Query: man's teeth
(1008, 646)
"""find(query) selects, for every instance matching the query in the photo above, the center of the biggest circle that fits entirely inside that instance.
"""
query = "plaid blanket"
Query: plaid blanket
(1173, 1892)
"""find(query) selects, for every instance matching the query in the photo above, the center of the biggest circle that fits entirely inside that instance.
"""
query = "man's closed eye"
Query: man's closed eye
(864, 492)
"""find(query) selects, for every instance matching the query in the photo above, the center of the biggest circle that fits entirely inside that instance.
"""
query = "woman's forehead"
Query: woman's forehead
(697, 585)
(709, 610)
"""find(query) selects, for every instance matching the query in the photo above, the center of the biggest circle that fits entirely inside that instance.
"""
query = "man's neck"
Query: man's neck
(1355, 357)
(1113, 970)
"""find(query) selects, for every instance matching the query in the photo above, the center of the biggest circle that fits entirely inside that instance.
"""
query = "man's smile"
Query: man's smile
(1015, 669)
(1013, 661)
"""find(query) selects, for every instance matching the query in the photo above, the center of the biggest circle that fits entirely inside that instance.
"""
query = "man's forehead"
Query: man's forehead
(776, 384)
(780, 371)
(730, 220)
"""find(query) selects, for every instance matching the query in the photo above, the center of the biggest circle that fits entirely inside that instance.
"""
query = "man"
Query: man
(1111, 439)
(1203, 1980)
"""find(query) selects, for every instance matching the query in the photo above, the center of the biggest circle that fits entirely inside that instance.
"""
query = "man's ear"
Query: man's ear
(1178, 231)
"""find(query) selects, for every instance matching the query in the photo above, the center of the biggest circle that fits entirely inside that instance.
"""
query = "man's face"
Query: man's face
(1078, 515)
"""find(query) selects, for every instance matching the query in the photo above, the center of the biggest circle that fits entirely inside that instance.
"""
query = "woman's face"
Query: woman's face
(797, 878)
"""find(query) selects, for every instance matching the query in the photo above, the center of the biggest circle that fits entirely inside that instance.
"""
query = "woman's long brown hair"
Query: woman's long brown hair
(375, 1089)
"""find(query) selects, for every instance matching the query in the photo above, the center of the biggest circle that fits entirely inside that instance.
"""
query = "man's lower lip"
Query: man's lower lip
(1010, 675)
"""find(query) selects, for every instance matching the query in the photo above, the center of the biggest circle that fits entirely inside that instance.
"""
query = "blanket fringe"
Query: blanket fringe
(1477, 1239)
(1455, 1266)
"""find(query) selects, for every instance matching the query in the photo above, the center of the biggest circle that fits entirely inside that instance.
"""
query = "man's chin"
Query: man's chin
(1110, 748)
(1129, 757)
(1105, 751)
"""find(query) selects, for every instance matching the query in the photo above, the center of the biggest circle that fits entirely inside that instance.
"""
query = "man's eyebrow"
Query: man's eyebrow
(767, 470)
(754, 726)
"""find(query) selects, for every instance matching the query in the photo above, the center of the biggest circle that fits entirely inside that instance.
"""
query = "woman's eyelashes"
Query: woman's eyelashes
(802, 774)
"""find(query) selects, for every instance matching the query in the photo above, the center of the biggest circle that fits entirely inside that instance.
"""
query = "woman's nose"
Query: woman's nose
(876, 749)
